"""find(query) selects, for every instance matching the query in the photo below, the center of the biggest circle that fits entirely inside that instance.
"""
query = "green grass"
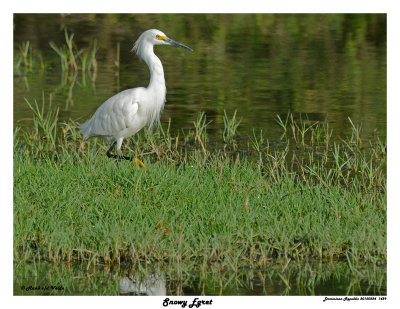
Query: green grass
(223, 208)
(299, 201)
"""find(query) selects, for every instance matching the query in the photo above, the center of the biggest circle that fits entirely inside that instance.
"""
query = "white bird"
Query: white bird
(127, 112)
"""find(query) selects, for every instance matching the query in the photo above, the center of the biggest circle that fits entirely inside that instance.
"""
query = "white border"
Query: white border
(155, 6)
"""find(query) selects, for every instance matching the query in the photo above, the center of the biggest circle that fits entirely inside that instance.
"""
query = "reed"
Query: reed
(93, 67)
(200, 126)
(44, 132)
(26, 55)
(70, 47)
(117, 59)
(70, 55)
(230, 127)
(61, 52)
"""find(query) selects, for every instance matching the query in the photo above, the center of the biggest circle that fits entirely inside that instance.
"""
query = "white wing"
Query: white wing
(113, 116)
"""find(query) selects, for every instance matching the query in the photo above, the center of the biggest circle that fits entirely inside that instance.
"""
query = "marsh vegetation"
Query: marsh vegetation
(236, 189)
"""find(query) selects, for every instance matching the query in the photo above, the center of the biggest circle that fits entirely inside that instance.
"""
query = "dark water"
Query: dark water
(321, 66)
(297, 279)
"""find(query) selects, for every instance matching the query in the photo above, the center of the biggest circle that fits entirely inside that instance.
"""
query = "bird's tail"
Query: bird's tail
(85, 129)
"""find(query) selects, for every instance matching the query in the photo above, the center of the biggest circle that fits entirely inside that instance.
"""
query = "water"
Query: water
(321, 66)
(297, 279)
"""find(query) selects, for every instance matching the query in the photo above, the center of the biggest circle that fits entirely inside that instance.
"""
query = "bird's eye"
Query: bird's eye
(160, 37)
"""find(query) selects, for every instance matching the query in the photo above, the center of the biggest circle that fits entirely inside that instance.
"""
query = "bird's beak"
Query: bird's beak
(172, 42)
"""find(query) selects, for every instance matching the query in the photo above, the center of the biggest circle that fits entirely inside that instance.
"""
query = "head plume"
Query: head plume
(146, 40)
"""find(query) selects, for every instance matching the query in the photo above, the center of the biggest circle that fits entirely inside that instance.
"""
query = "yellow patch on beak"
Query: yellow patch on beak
(160, 37)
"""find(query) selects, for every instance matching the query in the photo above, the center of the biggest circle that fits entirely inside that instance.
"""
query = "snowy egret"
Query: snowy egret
(127, 112)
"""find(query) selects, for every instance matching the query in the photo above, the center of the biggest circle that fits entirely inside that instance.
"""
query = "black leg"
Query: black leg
(117, 156)
(111, 150)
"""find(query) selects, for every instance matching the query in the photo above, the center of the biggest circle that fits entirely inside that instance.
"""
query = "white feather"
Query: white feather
(127, 112)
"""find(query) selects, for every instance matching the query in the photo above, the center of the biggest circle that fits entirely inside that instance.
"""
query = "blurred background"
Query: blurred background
(325, 67)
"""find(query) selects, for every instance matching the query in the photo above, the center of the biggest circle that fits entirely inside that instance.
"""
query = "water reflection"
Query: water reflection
(298, 278)
(151, 285)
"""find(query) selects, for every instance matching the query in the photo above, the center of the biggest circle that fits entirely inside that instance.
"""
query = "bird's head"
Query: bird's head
(154, 37)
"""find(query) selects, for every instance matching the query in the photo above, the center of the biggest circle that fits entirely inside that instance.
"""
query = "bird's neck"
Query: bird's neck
(157, 79)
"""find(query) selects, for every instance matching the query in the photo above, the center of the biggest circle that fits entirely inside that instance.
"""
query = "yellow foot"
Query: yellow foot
(139, 163)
